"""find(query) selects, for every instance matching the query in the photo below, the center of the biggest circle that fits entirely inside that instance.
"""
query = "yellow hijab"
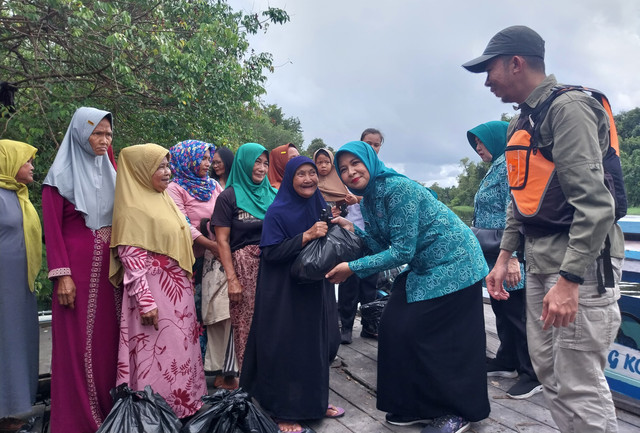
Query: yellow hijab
(13, 155)
(144, 217)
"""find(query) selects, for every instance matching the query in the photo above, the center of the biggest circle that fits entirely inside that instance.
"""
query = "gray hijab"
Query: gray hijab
(82, 177)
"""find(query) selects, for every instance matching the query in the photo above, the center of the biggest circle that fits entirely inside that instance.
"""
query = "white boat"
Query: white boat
(623, 361)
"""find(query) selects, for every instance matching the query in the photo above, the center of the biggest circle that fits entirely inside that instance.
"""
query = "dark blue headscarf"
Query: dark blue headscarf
(290, 214)
(369, 157)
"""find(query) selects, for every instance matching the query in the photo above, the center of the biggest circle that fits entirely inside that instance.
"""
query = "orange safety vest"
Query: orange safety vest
(539, 202)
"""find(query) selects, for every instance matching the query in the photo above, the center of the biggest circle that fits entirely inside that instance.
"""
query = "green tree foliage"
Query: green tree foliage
(277, 117)
(269, 127)
(445, 194)
(317, 143)
(468, 182)
(628, 126)
(169, 69)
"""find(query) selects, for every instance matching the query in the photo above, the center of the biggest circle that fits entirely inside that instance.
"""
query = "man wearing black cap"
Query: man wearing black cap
(570, 324)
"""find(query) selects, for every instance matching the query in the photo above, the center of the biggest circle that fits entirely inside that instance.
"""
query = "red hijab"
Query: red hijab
(278, 159)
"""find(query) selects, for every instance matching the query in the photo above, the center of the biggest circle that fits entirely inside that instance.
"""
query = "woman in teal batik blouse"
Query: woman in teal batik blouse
(431, 352)
(489, 140)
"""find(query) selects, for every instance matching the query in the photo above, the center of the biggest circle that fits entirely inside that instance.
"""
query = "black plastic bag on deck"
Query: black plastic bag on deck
(320, 255)
(371, 313)
(230, 412)
(257, 422)
(139, 412)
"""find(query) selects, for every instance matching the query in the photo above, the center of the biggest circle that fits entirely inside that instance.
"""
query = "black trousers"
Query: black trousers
(351, 292)
(511, 323)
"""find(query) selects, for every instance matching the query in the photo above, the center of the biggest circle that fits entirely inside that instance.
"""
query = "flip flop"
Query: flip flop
(338, 411)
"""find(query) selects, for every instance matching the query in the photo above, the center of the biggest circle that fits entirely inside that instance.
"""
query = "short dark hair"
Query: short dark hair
(372, 131)
(535, 63)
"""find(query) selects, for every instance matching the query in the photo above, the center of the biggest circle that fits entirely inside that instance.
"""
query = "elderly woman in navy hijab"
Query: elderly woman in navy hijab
(294, 334)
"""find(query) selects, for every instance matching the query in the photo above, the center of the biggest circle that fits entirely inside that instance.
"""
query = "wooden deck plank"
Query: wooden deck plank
(353, 380)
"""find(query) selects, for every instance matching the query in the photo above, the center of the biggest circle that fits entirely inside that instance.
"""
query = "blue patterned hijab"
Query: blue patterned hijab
(186, 158)
(290, 214)
(370, 159)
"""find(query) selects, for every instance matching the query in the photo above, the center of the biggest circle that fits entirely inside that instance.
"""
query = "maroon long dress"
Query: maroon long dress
(85, 339)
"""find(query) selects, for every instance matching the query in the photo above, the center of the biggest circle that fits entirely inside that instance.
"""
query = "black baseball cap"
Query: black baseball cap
(514, 40)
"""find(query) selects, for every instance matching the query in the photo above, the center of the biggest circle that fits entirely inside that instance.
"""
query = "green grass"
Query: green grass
(465, 213)
(633, 211)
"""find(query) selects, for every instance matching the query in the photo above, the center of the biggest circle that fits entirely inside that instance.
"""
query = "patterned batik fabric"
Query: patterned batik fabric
(246, 262)
(186, 158)
(490, 205)
(168, 359)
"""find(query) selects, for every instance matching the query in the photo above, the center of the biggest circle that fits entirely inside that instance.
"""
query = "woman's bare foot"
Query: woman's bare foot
(218, 381)
(226, 382)
(290, 427)
(334, 412)
(230, 382)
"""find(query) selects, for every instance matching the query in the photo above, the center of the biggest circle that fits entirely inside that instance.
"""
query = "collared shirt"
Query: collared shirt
(578, 127)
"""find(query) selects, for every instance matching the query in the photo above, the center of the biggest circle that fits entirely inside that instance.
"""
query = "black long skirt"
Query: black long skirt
(293, 339)
(432, 355)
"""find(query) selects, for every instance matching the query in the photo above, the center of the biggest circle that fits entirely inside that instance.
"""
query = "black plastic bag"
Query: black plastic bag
(386, 278)
(320, 255)
(257, 422)
(230, 412)
(371, 313)
(139, 412)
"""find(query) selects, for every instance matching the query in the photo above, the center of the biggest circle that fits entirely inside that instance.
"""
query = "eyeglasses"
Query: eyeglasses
(216, 163)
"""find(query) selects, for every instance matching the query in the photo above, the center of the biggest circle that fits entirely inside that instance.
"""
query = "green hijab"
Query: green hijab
(492, 134)
(250, 197)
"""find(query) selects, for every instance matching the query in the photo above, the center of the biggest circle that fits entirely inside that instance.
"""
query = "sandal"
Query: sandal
(337, 412)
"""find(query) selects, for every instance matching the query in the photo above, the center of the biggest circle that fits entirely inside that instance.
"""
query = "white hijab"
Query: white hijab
(82, 177)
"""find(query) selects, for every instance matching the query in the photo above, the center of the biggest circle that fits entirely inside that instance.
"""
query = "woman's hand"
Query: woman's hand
(66, 291)
(150, 318)
(497, 276)
(351, 199)
(344, 223)
(341, 272)
(513, 272)
(207, 243)
(213, 247)
(316, 231)
(335, 211)
(235, 289)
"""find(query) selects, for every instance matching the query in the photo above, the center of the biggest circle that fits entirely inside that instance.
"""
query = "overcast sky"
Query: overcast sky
(345, 65)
